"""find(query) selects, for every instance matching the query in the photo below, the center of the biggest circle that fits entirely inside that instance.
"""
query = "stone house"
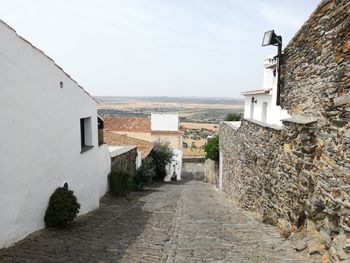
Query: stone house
(159, 127)
(49, 137)
(297, 175)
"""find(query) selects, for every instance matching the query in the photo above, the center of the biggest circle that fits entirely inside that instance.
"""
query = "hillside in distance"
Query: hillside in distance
(190, 109)
(198, 100)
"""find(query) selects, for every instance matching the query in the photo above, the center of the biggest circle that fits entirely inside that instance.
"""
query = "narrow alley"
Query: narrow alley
(186, 221)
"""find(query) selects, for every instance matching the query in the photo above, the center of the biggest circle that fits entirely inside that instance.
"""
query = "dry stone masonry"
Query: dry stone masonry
(125, 161)
(211, 171)
(298, 176)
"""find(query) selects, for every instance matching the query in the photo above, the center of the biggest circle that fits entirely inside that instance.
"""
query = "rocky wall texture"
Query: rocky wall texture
(211, 169)
(125, 161)
(100, 137)
(298, 177)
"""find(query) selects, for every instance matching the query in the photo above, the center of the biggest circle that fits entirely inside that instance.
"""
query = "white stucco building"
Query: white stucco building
(163, 124)
(164, 121)
(260, 105)
(48, 137)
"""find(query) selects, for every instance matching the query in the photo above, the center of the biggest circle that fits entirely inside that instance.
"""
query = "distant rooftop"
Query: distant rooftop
(128, 124)
(113, 139)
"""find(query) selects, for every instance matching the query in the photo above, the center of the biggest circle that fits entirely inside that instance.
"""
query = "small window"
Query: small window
(85, 134)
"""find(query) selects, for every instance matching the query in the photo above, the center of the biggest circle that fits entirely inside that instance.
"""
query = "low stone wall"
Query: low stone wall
(125, 161)
(301, 173)
(211, 171)
(287, 175)
(193, 160)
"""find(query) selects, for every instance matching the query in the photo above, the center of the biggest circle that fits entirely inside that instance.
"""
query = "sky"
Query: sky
(206, 48)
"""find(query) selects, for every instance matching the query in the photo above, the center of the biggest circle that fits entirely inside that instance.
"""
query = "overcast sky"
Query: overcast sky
(158, 47)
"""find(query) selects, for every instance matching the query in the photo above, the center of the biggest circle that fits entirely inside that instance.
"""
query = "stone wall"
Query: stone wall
(211, 171)
(125, 161)
(100, 137)
(315, 64)
(301, 173)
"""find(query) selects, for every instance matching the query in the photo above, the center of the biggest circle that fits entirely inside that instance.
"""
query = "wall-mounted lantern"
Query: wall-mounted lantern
(270, 38)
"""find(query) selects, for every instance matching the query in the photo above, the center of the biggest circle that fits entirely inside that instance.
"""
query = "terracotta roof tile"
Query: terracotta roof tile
(128, 124)
(112, 138)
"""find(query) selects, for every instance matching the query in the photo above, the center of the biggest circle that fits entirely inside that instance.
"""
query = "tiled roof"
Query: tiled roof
(128, 124)
(113, 138)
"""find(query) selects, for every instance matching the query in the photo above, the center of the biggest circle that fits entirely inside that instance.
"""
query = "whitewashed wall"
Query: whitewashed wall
(274, 113)
(175, 165)
(40, 139)
(164, 122)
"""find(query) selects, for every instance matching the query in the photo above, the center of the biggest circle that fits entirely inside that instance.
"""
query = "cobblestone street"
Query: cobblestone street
(186, 221)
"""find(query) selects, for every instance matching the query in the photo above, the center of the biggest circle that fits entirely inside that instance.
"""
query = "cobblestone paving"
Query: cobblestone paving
(186, 221)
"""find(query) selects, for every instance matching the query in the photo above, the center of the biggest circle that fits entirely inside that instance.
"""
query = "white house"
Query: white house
(165, 122)
(48, 137)
(159, 127)
(163, 125)
(260, 105)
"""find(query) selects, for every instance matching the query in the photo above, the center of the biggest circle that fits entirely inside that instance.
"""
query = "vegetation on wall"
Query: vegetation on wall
(211, 148)
(233, 117)
(119, 182)
(63, 208)
(162, 155)
(144, 174)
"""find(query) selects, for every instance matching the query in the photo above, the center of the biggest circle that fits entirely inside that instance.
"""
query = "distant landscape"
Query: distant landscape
(199, 117)
(190, 109)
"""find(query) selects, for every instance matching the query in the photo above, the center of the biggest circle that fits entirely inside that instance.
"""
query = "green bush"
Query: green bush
(162, 155)
(233, 117)
(211, 148)
(63, 208)
(119, 182)
(144, 173)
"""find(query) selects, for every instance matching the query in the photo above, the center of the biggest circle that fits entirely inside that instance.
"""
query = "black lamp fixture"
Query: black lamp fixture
(271, 39)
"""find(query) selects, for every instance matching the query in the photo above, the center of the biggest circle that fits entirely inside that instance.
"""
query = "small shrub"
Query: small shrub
(162, 155)
(119, 182)
(144, 174)
(63, 208)
(211, 148)
(233, 117)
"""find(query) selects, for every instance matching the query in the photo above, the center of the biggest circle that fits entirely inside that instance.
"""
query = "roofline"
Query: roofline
(256, 92)
(43, 53)
(166, 132)
(129, 137)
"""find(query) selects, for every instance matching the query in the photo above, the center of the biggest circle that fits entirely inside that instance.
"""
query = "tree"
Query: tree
(162, 155)
(233, 117)
(211, 148)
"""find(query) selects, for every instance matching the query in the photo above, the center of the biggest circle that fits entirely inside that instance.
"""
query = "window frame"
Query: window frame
(85, 134)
